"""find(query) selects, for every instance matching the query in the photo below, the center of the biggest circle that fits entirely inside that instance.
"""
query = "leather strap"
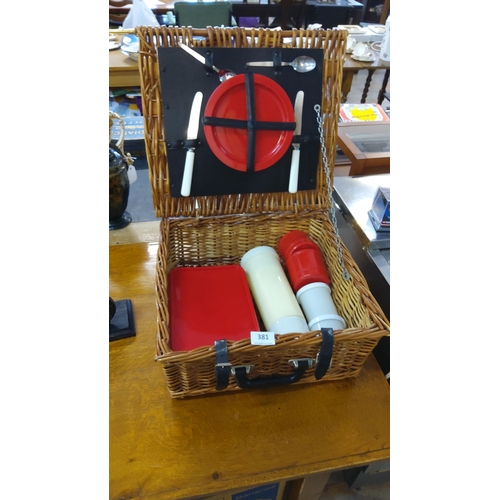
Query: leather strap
(251, 136)
(305, 138)
(325, 353)
(222, 365)
(277, 60)
(209, 61)
(229, 122)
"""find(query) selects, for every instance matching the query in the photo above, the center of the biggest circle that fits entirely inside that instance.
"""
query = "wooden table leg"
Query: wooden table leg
(357, 167)
(367, 85)
(347, 84)
(384, 85)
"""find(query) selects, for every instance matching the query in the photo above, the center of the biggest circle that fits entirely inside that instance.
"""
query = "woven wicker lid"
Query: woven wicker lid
(332, 42)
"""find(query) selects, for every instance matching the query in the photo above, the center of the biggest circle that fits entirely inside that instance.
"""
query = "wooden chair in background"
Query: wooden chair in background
(116, 20)
(203, 14)
(292, 14)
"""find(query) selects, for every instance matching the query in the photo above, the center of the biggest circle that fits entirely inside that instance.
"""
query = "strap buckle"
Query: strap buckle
(222, 365)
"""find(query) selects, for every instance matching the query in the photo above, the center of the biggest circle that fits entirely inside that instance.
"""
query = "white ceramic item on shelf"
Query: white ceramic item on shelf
(366, 58)
(272, 291)
(131, 50)
(350, 42)
(385, 49)
(360, 49)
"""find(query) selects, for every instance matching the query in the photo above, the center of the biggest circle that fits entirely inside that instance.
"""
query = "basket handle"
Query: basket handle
(223, 367)
(243, 382)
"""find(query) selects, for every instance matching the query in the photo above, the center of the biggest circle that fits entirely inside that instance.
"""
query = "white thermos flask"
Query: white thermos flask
(273, 294)
(385, 49)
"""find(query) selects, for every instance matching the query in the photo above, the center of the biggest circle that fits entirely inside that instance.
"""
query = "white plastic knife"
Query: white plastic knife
(294, 167)
(224, 74)
(192, 134)
(197, 56)
(192, 52)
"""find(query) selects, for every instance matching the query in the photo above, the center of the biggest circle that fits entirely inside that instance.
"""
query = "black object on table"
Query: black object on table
(121, 319)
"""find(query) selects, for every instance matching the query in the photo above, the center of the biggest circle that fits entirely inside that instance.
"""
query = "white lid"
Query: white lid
(255, 251)
(316, 284)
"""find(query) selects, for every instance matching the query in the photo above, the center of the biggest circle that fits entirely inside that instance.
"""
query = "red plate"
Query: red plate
(272, 104)
(209, 303)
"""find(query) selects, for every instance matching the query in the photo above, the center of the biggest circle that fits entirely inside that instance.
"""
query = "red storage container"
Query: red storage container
(209, 303)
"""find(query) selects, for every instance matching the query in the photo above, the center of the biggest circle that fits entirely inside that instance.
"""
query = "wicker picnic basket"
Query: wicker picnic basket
(218, 230)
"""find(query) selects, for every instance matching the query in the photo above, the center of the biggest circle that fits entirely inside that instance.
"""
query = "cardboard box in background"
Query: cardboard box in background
(364, 112)
(134, 128)
(125, 102)
(273, 491)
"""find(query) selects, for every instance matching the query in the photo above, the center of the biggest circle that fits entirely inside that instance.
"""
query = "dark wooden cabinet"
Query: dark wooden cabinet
(375, 11)
(331, 13)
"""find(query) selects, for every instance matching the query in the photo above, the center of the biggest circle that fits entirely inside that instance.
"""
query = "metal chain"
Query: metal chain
(326, 168)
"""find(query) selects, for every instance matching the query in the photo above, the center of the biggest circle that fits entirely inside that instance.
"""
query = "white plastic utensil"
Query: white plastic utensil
(224, 74)
(192, 134)
(294, 167)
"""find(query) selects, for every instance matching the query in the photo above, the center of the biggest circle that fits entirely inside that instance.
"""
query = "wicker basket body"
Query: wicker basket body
(218, 230)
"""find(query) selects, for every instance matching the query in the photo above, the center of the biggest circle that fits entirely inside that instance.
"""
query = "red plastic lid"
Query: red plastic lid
(272, 104)
(209, 303)
(294, 240)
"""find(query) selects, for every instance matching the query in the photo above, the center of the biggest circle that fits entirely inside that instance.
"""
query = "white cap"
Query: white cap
(316, 284)
(255, 251)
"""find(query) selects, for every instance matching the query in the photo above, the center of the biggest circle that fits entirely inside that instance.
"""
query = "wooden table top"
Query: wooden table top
(123, 70)
(163, 448)
(351, 64)
(118, 61)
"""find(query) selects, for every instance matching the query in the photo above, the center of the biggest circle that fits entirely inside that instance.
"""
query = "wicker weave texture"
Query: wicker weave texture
(218, 230)
(333, 44)
(224, 240)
